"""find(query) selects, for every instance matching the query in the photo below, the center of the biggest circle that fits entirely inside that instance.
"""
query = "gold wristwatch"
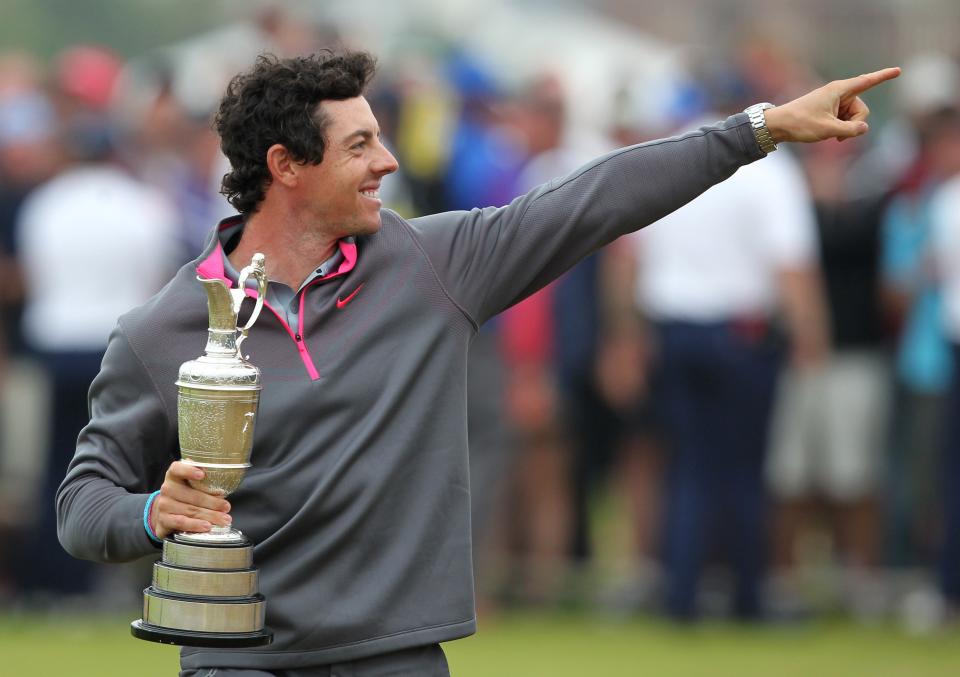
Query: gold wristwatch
(759, 123)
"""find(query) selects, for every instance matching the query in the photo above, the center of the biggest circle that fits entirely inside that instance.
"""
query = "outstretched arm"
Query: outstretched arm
(489, 259)
(832, 111)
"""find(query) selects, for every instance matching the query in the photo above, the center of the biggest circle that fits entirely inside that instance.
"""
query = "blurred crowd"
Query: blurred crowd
(748, 409)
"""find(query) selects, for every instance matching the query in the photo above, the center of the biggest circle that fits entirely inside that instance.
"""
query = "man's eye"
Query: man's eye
(358, 146)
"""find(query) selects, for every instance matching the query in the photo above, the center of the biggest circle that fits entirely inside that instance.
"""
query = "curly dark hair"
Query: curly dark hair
(277, 101)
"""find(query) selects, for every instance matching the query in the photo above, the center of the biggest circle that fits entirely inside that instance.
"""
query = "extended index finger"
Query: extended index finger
(861, 83)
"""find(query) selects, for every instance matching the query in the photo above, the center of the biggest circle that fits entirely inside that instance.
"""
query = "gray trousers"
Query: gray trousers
(421, 661)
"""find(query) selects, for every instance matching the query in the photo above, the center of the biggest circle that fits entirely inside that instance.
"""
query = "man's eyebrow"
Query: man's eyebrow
(362, 133)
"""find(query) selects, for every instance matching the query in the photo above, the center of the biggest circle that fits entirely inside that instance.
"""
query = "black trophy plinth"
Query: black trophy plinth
(204, 594)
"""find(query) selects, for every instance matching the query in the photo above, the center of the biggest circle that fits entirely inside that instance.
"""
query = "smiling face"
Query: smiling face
(341, 193)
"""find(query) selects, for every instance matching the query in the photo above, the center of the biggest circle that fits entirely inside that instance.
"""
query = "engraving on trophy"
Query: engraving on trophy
(204, 590)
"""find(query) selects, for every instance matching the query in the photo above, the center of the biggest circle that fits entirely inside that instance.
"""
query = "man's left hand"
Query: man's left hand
(834, 111)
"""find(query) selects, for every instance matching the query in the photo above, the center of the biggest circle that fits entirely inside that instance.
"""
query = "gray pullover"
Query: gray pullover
(359, 496)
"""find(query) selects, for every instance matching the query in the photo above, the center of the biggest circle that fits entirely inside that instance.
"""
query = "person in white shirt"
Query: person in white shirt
(93, 243)
(712, 277)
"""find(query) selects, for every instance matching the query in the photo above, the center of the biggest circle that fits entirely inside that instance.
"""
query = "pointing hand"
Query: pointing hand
(832, 111)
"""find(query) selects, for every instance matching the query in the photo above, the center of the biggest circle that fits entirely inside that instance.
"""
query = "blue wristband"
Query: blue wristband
(146, 518)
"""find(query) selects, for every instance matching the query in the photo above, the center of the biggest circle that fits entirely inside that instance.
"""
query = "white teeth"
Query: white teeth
(370, 193)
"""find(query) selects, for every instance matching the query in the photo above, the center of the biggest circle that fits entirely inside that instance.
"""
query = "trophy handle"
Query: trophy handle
(258, 271)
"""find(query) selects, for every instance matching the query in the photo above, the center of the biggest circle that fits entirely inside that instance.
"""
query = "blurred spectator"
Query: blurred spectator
(93, 242)
(923, 359)
(486, 155)
(930, 83)
(945, 220)
(572, 428)
(711, 278)
(770, 70)
(608, 381)
(830, 431)
(177, 152)
(29, 154)
(625, 430)
(539, 520)
(431, 110)
(493, 145)
(85, 76)
(467, 175)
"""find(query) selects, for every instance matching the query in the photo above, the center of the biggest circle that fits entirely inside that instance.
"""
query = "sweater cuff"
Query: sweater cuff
(747, 137)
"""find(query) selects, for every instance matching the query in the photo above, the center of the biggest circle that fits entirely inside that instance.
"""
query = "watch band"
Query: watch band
(759, 123)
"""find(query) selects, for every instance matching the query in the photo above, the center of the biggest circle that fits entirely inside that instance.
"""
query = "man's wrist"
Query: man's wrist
(776, 119)
(147, 522)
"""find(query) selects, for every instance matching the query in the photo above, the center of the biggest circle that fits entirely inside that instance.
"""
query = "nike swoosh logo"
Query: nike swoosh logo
(341, 302)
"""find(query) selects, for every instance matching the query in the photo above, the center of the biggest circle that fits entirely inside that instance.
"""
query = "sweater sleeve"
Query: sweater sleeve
(121, 457)
(489, 259)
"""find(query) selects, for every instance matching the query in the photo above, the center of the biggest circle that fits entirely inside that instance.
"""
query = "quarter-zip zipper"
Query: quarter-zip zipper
(212, 267)
(297, 338)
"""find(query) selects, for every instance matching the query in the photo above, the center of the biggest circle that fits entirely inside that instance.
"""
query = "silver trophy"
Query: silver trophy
(204, 590)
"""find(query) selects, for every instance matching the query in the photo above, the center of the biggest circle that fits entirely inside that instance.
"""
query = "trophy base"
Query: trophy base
(204, 595)
(225, 640)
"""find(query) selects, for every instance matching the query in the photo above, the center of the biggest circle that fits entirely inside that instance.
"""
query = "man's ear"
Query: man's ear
(282, 166)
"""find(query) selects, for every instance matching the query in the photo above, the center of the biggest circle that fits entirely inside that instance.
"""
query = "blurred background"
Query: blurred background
(727, 444)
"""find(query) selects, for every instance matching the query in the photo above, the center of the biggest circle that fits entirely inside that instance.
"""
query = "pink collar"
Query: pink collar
(212, 266)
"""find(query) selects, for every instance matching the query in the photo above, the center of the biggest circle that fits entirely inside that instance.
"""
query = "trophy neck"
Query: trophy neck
(222, 343)
(222, 332)
(220, 306)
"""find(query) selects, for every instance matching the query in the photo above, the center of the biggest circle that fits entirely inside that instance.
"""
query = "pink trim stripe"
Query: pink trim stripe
(301, 348)
(307, 360)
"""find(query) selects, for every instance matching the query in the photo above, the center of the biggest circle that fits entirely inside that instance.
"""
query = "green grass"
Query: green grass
(558, 646)
(528, 645)
(78, 646)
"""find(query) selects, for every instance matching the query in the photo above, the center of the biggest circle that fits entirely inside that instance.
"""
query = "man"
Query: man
(359, 500)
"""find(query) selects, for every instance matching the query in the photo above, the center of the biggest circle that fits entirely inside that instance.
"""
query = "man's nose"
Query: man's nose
(386, 163)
